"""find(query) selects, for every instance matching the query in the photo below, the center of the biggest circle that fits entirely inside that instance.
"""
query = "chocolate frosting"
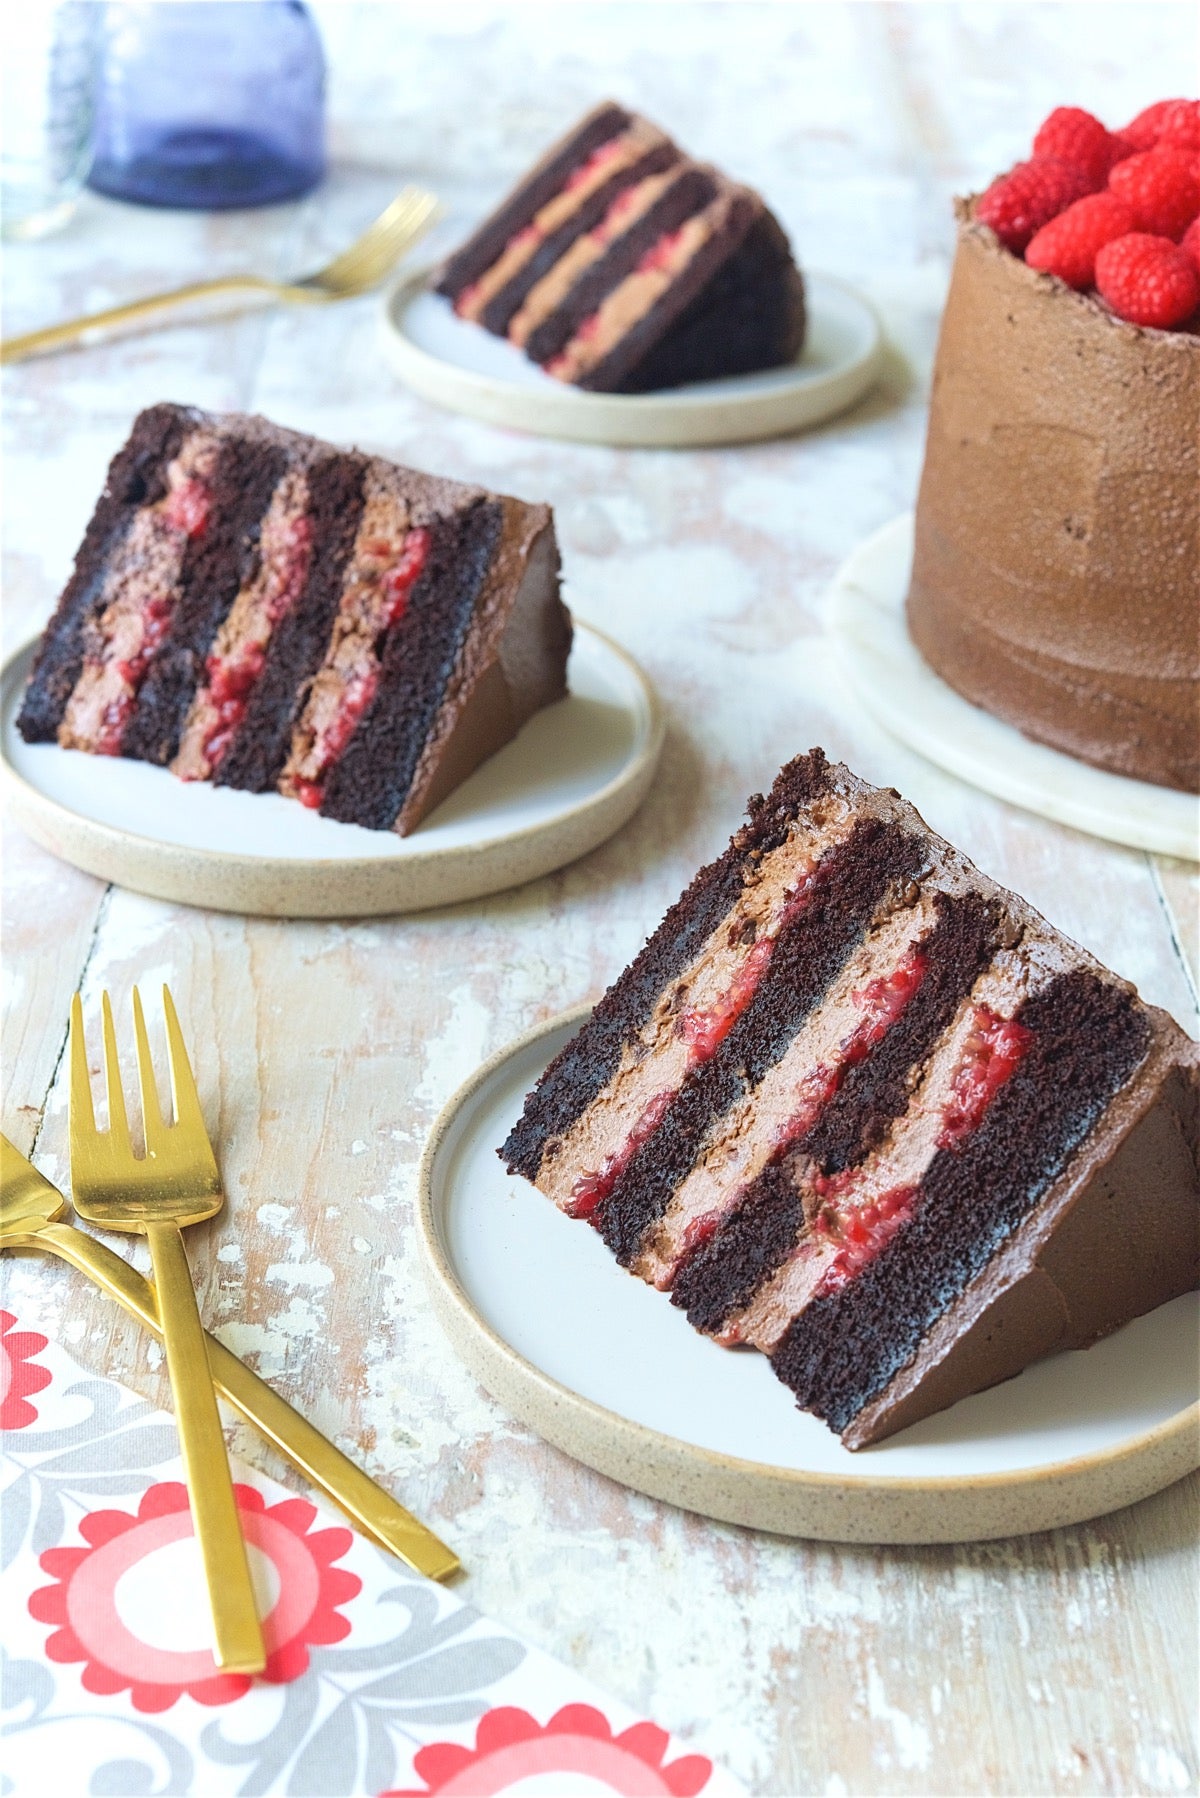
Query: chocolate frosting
(1056, 575)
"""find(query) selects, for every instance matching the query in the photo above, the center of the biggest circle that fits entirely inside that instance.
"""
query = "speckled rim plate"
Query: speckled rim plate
(895, 684)
(463, 367)
(575, 774)
(608, 1371)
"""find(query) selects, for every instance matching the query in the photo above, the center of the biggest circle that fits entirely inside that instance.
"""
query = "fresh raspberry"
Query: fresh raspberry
(1067, 246)
(1123, 146)
(1148, 280)
(1180, 125)
(1028, 197)
(1189, 243)
(1161, 189)
(1145, 130)
(1079, 138)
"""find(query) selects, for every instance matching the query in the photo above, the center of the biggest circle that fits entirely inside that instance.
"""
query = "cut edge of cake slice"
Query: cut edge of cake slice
(853, 1101)
(621, 265)
(256, 607)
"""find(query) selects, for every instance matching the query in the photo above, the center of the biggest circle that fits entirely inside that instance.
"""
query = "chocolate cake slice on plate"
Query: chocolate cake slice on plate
(621, 265)
(256, 608)
(857, 1106)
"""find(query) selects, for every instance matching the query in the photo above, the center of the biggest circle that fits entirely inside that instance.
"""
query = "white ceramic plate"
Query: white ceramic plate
(893, 681)
(460, 365)
(574, 775)
(607, 1369)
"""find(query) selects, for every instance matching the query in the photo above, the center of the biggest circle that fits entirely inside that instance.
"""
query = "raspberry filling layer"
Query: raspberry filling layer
(591, 1189)
(992, 1053)
(703, 1029)
(471, 300)
(138, 603)
(384, 573)
(860, 1233)
(239, 653)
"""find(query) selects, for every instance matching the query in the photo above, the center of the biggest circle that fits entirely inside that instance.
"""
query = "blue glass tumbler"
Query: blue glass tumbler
(209, 103)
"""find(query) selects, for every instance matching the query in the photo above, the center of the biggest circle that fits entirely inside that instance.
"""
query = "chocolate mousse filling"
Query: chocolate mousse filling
(1087, 1040)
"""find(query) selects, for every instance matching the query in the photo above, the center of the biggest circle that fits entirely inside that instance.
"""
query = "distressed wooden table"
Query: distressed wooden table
(1059, 1663)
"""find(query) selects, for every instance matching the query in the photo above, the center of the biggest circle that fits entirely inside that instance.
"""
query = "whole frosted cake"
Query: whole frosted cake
(1056, 575)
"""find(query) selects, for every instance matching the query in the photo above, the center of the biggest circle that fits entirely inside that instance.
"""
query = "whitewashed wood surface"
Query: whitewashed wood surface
(1060, 1663)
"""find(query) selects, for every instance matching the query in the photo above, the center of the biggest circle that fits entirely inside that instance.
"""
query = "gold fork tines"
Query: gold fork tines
(176, 1182)
(356, 270)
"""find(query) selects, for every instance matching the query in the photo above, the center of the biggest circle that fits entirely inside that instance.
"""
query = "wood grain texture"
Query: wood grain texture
(1063, 1663)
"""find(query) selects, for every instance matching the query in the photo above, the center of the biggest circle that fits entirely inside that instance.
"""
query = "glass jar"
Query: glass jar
(209, 103)
(49, 74)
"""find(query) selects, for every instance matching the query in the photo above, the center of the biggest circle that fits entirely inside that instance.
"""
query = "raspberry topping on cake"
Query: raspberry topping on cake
(1160, 188)
(1068, 245)
(1148, 280)
(1189, 243)
(1176, 121)
(1029, 196)
(1078, 137)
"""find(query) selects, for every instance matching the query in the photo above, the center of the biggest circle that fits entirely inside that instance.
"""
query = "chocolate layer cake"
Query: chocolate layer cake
(1056, 579)
(621, 265)
(259, 609)
(859, 1107)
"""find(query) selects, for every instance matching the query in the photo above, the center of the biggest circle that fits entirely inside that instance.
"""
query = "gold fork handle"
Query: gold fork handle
(238, 1642)
(53, 337)
(377, 1514)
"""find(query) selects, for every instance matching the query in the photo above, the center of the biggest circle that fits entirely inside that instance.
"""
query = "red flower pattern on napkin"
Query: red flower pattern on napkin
(20, 1375)
(511, 1746)
(95, 1624)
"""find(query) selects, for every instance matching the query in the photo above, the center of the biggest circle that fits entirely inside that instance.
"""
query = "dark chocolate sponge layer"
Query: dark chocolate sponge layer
(369, 782)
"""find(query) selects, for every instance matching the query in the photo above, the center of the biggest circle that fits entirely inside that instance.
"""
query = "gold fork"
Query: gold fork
(33, 1215)
(355, 271)
(175, 1183)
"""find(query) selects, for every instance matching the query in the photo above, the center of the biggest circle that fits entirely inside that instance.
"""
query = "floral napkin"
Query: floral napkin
(377, 1681)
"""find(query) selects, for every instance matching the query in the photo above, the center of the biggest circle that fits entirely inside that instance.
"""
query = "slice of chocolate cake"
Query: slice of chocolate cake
(859, 1107)
(622, 266)
(259, 609)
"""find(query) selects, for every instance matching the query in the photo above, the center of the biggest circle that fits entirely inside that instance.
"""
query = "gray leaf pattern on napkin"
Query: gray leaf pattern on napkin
(422, 1676)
